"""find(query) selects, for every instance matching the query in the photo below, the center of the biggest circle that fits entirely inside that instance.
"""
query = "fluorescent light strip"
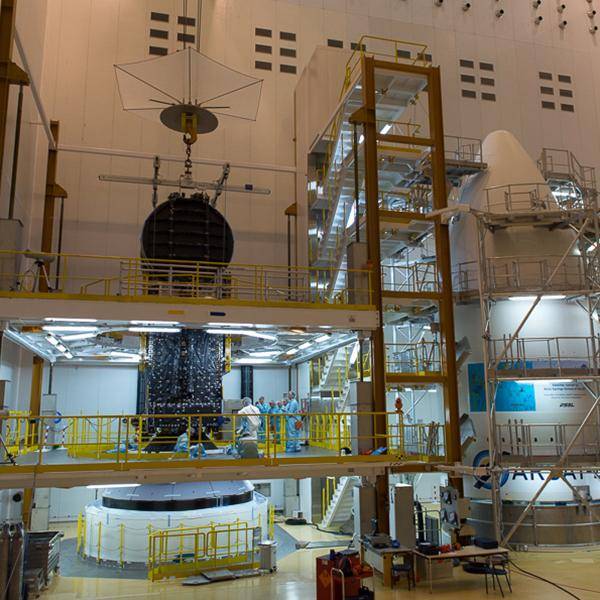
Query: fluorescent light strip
(237, 325)
(102, 486)
(248, 332)
(292, 351)
(68, 328)
(52, 340)
(322, 338)
(305, 346)
(154, 329)
(253, 361)
(265, 353)
(385, 129)
(79, 336)
(69, 320)
(153, 323)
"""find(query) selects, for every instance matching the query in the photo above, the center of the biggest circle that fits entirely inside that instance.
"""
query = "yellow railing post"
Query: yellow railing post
(84, 536)
(99, 544)
(151, 548)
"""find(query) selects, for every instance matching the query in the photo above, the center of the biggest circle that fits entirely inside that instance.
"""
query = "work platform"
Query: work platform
(69, 451)
(124, 288)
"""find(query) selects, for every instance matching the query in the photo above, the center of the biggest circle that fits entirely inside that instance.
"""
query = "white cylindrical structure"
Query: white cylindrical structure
(117, 526)
(519, 260)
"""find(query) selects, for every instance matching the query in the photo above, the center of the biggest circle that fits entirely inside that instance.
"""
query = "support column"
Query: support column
(442, 242)
(369, 121)
(53, 191)
(35, 399)
(10, 73)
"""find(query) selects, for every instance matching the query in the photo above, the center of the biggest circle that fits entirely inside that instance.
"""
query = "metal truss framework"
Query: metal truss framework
(506, 360)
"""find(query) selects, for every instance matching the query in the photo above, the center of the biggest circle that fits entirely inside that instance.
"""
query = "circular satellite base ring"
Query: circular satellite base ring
(173, 117)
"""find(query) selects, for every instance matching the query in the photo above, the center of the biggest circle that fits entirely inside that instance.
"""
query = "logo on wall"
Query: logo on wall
(482, 459)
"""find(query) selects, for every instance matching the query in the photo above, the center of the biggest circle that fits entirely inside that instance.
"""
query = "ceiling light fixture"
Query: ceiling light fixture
(305, 346)
(238, 325)
(52, 340)
(248, 332)
(253, 361)
(79, 336)
(154, 329)
(102, 486)
(322, 338)
(69, 320)
(68, 328)
(157, 323)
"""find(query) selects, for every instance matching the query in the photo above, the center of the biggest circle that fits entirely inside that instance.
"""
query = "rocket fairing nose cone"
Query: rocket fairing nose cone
(508, 163)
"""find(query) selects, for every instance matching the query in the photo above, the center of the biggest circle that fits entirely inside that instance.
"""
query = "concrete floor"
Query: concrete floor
(295, 580)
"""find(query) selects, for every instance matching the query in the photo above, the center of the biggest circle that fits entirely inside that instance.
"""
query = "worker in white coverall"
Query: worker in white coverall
(250, 423)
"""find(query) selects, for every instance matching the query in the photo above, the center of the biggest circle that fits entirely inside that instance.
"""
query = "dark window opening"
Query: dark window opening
(189, 21)
(162, 17)
(188, 38)
(158, 50)
(159, 33)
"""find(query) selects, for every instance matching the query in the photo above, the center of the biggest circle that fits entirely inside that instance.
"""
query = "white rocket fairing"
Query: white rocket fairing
(508, 164)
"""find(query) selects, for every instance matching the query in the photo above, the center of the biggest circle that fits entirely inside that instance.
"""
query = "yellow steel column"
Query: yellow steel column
(10, 73)
(442, 241)
(35, 398)
(53, 191)
(368, 117)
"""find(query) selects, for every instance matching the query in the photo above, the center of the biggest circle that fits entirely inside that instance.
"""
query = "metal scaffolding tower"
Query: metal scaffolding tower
(574, 275)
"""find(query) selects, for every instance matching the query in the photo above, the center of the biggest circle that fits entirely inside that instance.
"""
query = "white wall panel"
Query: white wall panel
(95, 390)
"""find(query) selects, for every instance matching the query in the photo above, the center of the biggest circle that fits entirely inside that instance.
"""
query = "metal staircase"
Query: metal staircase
(340, 506)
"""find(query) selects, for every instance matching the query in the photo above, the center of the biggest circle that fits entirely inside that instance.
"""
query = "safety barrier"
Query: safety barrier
(522, 274)
(113, 277)
(544, 443)
(565, 356)
(19, 432)
(422, 357)
(210, 438)
(183, 550)
(528, 198)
